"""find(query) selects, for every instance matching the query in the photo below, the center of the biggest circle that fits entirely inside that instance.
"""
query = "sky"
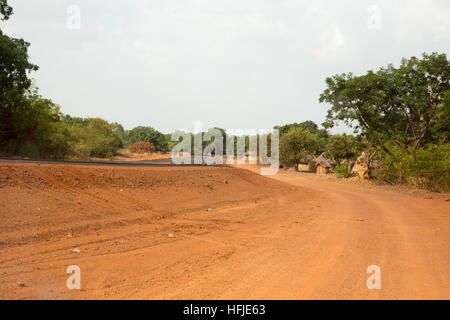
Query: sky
(234, 64)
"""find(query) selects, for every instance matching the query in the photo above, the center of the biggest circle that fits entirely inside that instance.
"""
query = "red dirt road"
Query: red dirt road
(291, 236)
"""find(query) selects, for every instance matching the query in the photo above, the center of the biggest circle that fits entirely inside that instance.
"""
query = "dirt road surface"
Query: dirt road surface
(147, 233)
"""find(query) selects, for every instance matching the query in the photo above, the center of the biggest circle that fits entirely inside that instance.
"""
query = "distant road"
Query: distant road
(166, 162)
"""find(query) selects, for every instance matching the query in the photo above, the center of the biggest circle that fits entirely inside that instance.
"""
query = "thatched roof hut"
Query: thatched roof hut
(324, 164)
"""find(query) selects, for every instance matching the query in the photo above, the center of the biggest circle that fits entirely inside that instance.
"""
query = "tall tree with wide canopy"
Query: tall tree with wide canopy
(147, 134)
(298, 145)
(402, 105)
(14, 81)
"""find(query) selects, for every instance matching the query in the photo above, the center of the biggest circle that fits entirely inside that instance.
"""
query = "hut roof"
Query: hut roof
(323, 161)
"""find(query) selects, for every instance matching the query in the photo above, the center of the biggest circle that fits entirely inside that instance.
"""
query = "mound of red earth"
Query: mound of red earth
(213, 233)
(44, 202)
(142, 147)
(49, 210)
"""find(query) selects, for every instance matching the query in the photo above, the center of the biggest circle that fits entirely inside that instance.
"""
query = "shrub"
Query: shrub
(96, 139)
(297, 146)
(344, 147)
(36, 129)
(342, 170)
(147, 134)
(427, 168)
(142, 147)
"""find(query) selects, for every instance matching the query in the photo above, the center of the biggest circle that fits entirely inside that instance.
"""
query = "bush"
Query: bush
(427, 168)
(142, 147)
(35, 129)
(344, 147)
(96, 139)
(342, 170)
(297, 146)
(59, 142)
(147, 134)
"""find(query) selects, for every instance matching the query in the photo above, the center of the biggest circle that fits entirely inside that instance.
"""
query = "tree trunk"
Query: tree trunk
(369, 162)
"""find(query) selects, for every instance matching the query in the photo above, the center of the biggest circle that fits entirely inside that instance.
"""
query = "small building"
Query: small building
(323, 169)
(324, 165)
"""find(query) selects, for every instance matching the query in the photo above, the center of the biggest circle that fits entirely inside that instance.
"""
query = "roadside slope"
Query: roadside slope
(285, 237)
(111, 214)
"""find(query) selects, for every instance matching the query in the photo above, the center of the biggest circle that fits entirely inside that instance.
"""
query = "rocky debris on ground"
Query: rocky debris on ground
(63, 202)
(89, 178)
(11, 176)
(142, 147)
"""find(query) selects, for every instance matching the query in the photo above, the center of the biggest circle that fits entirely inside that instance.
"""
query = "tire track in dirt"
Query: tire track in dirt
(298, 238)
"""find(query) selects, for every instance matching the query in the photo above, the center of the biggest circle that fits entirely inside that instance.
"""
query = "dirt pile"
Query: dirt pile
(214, 233)
(42, 201)
(142, 147)
(47, 211)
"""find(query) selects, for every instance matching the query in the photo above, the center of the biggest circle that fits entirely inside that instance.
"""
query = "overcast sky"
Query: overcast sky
(229, 63)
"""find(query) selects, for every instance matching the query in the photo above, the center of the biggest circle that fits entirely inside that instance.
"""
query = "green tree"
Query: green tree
(297, 146)
(98, 139)
(309, 125)
(147, 134)
(14, 81)
(34, 126)
(427, 168)
(402, 105)
(441, 130)
(38, 129)
(5, 10)
(344, 147)
(321, 134)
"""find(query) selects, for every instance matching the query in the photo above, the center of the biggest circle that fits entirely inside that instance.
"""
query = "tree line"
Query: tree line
(401, 119)
(400, 116)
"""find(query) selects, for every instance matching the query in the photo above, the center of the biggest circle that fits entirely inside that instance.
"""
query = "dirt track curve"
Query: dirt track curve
(147, 234)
